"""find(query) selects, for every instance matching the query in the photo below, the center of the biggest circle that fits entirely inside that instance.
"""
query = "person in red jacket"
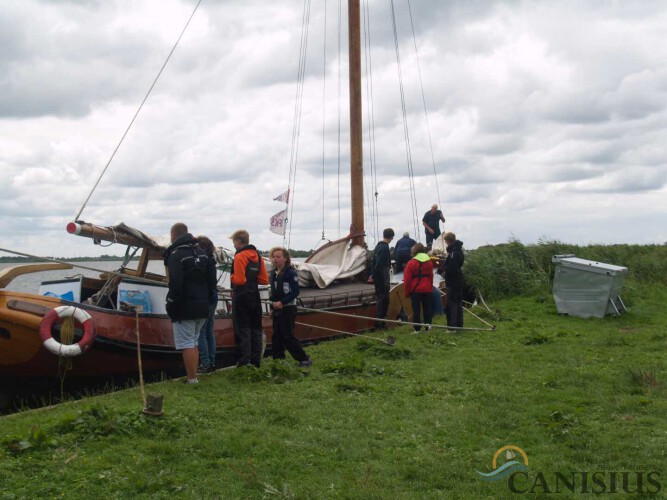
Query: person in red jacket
(418, 285)
(248, 271)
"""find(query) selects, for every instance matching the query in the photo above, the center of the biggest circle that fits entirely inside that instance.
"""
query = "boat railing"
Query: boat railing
(320, 300)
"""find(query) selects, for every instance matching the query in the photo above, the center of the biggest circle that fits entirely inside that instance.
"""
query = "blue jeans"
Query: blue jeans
(207, 340)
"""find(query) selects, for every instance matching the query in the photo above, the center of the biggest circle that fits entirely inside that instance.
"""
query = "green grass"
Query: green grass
(415, 420)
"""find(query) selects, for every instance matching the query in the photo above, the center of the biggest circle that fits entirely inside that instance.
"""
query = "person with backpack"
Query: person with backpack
(248, 272)
(191, 277)
(418, 285)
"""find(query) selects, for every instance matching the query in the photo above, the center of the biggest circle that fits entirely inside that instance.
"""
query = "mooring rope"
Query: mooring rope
(141, 370)
(343, 332)
(65, 363)
(399, 322)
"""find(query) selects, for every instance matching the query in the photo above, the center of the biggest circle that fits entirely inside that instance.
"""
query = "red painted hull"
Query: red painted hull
(114, 351)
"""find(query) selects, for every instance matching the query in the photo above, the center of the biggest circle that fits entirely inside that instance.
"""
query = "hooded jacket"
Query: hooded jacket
(248, 270)
(192, 279)
(381, 261)
(452, 270)
(418, 275)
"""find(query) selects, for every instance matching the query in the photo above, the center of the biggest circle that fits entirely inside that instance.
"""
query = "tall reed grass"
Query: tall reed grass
(512, 268)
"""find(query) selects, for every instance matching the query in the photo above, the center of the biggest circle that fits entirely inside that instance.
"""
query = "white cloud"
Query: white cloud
(544, 119)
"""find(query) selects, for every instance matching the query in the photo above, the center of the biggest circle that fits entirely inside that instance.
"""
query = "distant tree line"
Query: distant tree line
(22, 260)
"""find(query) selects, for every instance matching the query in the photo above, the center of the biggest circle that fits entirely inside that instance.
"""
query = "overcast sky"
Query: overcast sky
(545, 119)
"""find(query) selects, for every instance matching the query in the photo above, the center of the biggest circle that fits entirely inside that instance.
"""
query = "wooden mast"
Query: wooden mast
(356, 150)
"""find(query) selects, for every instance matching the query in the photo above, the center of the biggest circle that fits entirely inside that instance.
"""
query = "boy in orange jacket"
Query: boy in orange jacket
(248, 271)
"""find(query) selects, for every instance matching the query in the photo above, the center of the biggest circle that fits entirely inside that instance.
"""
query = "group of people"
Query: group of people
(192, 299)
(417, 266)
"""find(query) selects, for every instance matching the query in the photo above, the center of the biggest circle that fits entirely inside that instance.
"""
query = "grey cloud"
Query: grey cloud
(628, 180)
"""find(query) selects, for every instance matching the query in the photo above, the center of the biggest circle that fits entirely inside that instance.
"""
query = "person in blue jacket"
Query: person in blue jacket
(403, 249)
(284, 291)
(207, 344)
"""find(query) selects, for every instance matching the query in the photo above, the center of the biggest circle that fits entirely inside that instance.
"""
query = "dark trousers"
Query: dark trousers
(402, 258)
(381, 298)
(454, 308)
(283, 335)
(422, 301)
(247, 320)
(430, 237)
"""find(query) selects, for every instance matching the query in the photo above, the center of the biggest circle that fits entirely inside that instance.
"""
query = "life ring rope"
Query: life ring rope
(67, 351)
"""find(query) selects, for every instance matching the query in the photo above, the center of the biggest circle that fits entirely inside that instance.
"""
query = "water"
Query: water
(29, 283)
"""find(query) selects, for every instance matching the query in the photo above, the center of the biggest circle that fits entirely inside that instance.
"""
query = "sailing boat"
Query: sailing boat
(108, 335)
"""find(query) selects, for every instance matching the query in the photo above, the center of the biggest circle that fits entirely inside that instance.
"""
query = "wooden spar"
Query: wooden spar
(99, 233)
(356, 150)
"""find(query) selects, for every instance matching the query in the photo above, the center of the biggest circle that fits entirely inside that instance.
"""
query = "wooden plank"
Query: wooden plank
(28, 307)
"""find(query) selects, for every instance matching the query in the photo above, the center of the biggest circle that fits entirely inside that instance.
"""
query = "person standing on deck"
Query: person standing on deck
(284, 291)
(418, 285)
(431, 221)
(380, 274)
(206, 335)
(191, 275)
(403, 249)
(453, 274)
(248, 271)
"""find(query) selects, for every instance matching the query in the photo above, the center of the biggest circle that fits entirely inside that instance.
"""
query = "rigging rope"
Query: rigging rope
(324, 111)
(340, 24)
(296, 130)
(405, 121)
(372, 200)
(138, 111)
(421, 85)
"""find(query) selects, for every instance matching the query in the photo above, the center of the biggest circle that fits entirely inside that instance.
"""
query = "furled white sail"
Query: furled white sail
(337, 261)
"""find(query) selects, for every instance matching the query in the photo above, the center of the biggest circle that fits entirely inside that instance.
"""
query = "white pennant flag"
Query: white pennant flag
(283, 197)
(278, 222)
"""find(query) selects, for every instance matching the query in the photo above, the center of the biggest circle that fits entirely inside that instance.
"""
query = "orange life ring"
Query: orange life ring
(56, 347)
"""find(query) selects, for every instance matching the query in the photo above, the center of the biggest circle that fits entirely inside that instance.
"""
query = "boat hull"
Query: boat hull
(114, 351)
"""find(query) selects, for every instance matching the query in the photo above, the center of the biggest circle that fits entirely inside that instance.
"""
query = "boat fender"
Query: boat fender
(56, 347)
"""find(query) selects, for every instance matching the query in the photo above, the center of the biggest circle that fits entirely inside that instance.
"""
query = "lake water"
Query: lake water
(29, 283)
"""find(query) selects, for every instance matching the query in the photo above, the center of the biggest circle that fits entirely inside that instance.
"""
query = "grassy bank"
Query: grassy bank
(416, 420)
